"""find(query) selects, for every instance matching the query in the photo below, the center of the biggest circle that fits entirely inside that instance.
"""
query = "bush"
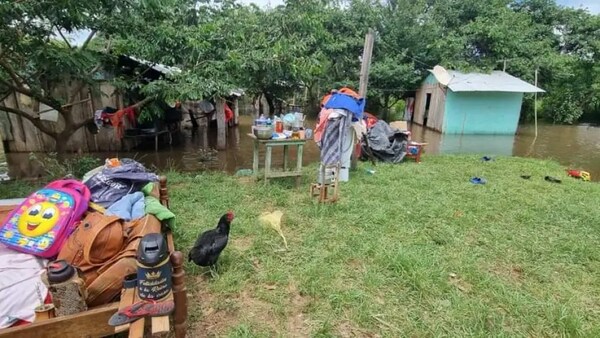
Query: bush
(56, 169)
(397, 111)
(565, 109)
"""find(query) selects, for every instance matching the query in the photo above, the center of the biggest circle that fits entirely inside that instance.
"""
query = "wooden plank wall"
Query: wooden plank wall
(20, 135)
(436, 107)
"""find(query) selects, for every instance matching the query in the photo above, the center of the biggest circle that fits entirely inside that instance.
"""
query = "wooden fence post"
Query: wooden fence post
(221, 125)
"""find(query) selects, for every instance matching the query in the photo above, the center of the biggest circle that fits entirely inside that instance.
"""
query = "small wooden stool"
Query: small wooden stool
(328, 187)
(417, 155)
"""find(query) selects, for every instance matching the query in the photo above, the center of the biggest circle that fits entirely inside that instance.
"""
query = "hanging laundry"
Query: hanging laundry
(333, 137)
(116, 119)
(228, 113)
(321, 124)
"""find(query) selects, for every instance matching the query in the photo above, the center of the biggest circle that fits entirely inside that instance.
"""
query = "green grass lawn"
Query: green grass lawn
(413, 250)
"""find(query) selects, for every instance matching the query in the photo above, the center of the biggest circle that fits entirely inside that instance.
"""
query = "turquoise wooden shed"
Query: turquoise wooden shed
(457, 103)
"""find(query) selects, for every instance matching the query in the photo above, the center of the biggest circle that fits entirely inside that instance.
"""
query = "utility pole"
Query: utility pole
(535, 108)
(366, 62)
(505, 61)
(364, 78)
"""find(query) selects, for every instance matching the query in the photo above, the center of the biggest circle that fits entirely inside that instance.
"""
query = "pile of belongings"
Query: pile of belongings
(94, 226)
(340, 123)
(383, 142)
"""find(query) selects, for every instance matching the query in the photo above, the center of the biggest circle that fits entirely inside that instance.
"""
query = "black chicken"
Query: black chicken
(211, 243)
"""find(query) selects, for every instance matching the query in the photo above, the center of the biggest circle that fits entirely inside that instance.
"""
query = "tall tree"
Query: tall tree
(37, 58)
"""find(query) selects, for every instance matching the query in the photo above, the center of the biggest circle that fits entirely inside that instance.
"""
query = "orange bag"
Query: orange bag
(105, 250)
(95, 241)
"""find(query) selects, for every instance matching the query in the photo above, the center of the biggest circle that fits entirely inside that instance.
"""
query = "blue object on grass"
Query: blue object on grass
(487, 158)
(478, 180)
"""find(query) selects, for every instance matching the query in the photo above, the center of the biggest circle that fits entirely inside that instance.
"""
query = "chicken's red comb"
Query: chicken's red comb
(230, 215)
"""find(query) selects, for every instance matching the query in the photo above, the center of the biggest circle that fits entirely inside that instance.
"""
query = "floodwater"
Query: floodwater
(577, 147)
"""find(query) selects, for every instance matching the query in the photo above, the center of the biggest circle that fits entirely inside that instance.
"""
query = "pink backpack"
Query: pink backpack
(42, 223)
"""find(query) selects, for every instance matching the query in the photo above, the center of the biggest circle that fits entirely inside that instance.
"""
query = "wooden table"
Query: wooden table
(285, 143)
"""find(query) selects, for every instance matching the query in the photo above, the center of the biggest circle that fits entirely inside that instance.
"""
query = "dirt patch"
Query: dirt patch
(219, 314)
(347, 330)
(356, 265)
(242, 244)
(459, 283)
(297, 323)
(211, 321)
(256, 310)
(510, 273)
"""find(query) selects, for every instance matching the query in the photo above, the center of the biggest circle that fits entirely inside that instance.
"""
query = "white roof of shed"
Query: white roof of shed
(497, 81)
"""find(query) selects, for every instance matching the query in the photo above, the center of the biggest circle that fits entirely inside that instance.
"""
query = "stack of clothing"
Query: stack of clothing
(340, 123)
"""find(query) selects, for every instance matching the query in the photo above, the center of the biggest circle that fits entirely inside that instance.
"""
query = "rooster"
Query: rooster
(211, 243)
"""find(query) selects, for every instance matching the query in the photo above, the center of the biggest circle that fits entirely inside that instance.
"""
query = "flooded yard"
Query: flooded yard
(574, 146)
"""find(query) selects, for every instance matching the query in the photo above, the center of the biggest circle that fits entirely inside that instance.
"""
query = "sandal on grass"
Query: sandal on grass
(478, 180)
(552, 179)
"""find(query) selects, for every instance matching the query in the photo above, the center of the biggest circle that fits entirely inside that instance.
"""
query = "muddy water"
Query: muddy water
(573, 146)
(577, 147)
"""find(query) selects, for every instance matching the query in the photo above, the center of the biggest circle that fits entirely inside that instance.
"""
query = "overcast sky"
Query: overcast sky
(592, 5)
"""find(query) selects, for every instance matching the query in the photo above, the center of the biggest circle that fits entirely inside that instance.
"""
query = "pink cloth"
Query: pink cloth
(322, 123)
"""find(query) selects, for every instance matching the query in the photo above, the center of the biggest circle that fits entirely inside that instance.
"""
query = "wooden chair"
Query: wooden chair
(94, 322)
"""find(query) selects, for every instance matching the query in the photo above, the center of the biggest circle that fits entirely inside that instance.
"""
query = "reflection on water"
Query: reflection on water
(574, 146)
(189, 152)
(577, 147)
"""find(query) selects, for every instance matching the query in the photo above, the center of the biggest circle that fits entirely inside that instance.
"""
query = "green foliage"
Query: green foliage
(312, 45)
(57, 169)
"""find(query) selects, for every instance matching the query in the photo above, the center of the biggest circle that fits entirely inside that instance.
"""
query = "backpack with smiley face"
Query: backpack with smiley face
(42, 223)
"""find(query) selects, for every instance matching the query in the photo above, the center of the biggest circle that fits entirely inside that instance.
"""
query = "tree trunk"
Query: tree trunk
(61, 145)
(386, 113)
(261, 107)
(236, 111)
(221, 125)
(270, 102)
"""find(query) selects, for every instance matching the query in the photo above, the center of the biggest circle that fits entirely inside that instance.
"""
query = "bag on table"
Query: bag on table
(40, 225)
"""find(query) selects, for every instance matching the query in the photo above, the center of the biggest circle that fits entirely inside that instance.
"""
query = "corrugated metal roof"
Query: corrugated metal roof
(495, 82)
(167, 70)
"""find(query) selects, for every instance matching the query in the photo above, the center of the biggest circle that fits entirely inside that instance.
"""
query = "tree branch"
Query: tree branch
(91, 72)
(34, 120)
(11, 72)
(63, 37)
(89, 38)
(142, 103)
(78, 125)
(49, 102)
